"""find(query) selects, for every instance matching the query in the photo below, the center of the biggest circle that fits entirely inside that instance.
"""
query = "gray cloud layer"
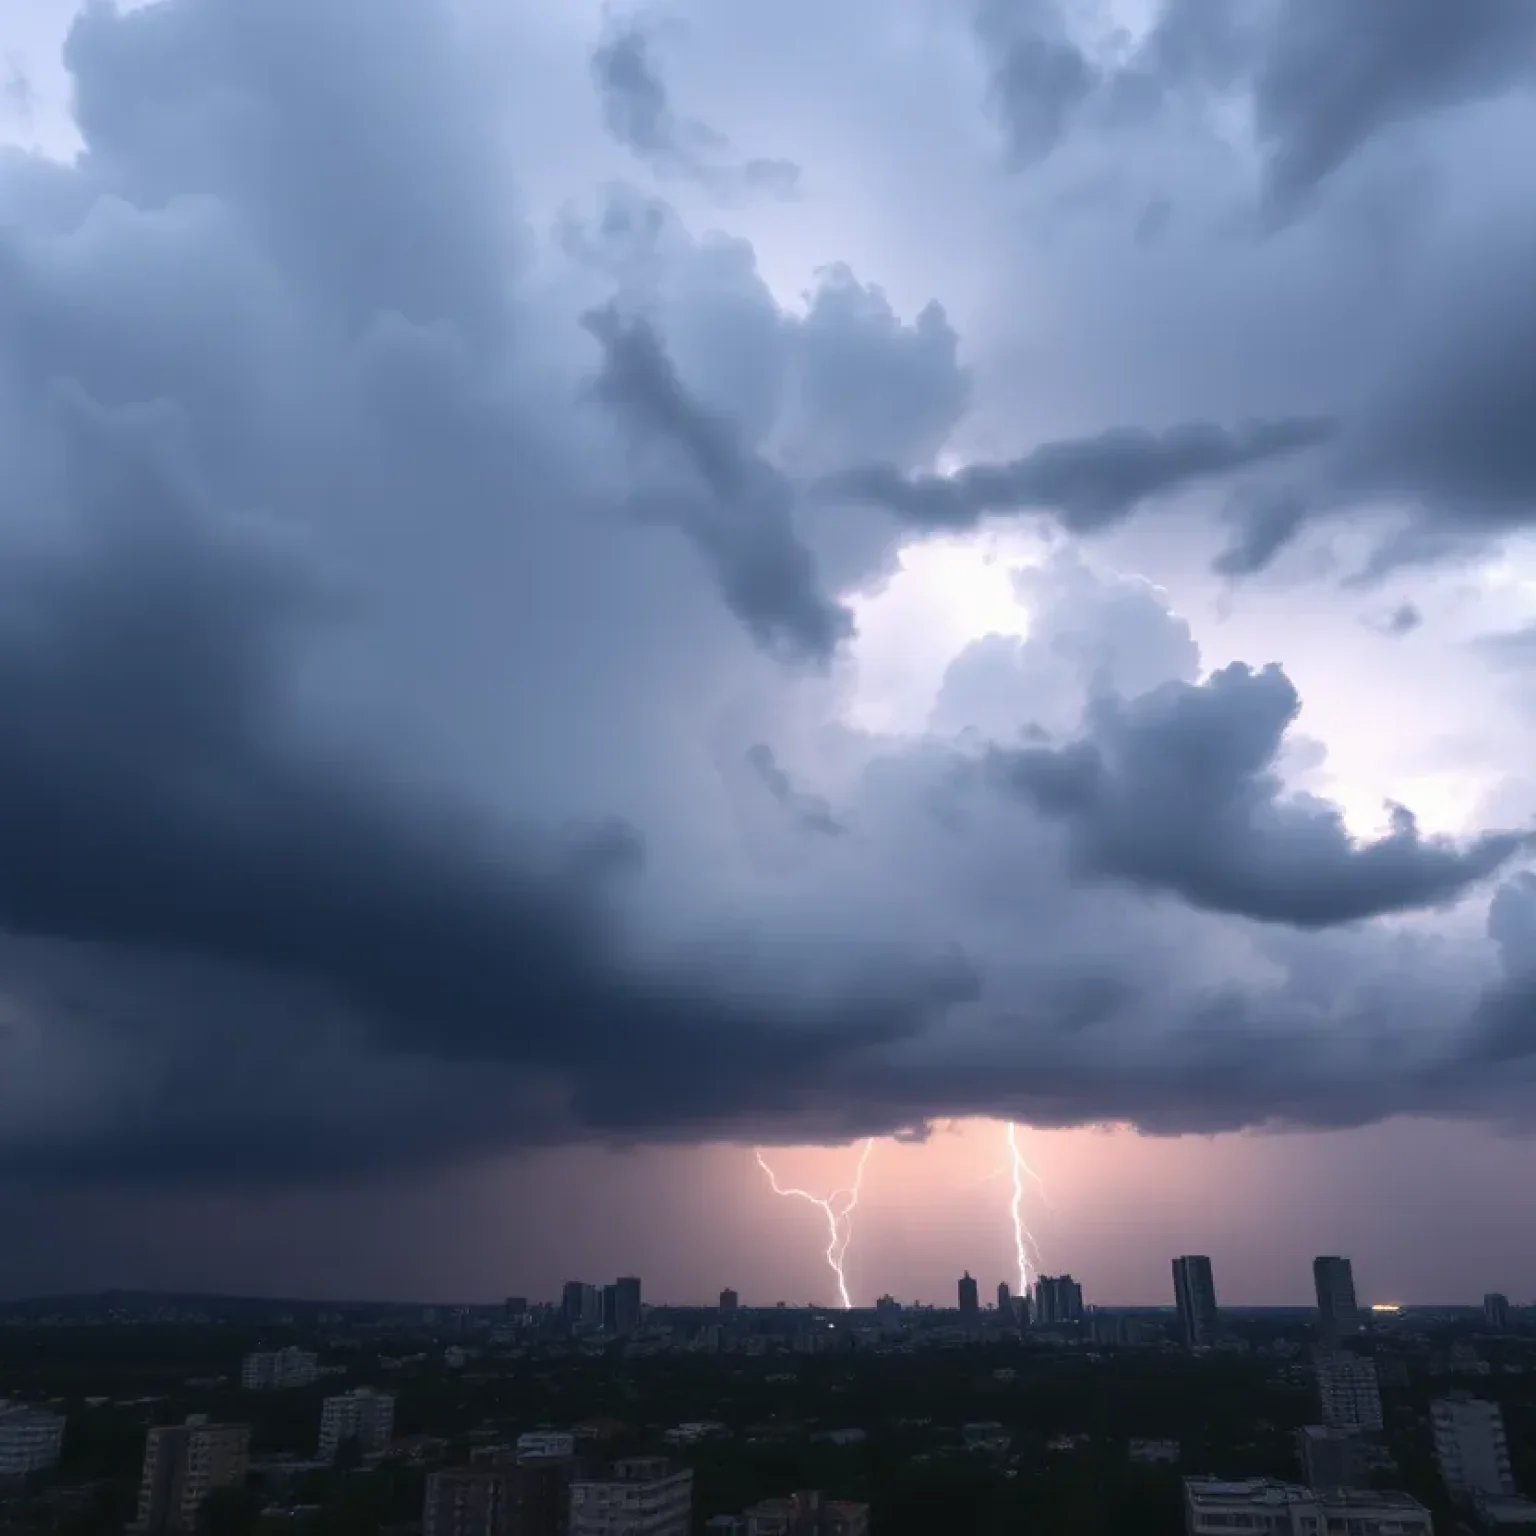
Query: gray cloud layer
(424, 646)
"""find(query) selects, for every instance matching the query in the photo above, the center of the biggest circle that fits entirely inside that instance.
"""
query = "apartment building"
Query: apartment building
(183, 1464)
(806, 1513)
(1470, 1447)
(277, 1370)
(1347, 1391)
(364, 1416)
(30, 1440)
(641, 1496)
(1263, 1507)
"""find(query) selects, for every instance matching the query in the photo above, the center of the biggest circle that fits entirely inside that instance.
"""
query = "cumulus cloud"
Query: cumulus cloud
(1177, 790)
(426, 649)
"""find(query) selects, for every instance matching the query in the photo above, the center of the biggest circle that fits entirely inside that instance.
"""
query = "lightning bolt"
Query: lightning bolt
(837, 1207)
(1025, 1248)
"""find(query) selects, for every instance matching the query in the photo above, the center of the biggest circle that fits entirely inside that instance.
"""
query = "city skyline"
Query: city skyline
(634, 614)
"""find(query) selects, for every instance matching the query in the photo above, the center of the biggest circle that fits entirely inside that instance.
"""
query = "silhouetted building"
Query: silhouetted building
(626, 1304)
(363, 1415)
(1058, 1301)
(467, 1501)
(539, 1495)
(970, 1300)
(183, 1464)
(1347, 1390)
(1004, 1299)
(1331, 1458)
(610, 1308)
(1471, 1447)
(572, 1301)
(642, 1496)
(1194, 1289)
(729, 1300)
(1496, 1312)
(1338, 1313)
(516, 1307)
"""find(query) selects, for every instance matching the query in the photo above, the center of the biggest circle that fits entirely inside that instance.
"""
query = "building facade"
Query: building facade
(970, 1296)
(1496, 1312)
(363, 1415)
(1258, 1505)
(729, 1300)
(467, 1501)
(641, 1496)
(1338, 1313)
(31, 1440)
(1194, 1291)
(1331, 1458)
(626, 1304)
(183, 1464)
(1470, 1447)
(1347, 1391)
(276, 1370)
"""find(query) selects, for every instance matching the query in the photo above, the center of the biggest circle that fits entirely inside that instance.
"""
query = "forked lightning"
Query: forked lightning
(838, 1208)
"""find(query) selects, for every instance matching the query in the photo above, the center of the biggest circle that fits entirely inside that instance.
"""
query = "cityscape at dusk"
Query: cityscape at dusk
(767, 768)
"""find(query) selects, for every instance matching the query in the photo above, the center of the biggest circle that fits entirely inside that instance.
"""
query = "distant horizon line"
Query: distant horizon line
(246, 1298)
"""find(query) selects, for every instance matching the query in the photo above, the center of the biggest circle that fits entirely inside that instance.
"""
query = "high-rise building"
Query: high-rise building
(729, 1300)
(641, 1496)
(572, 1301)
(1471, 1447)
(183, 1464)
(970, 1299)
(1004, 1299)
(1194, 1289)
(1347, 1390)
(467, 1501)
(626, 1304)
(30, 1440)
(362, 1415)
(516, 1307)
(277, 1370)
(591, 1306)
(1496, 1312)
(1338, 1314)
(1058, 1301)
(1331, 1458)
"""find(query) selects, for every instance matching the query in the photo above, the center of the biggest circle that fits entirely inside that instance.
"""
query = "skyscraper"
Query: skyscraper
(1194, 1289)
(1004, 1299)
(729, 1300)
(1496, 1312)
(970, 1300)
(626, 1304)
(1058, 1300)
(572, 1298)
(1337, 1312)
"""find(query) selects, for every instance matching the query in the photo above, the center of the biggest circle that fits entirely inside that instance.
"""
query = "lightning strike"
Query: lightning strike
(1024, 1246)
(838, 1207)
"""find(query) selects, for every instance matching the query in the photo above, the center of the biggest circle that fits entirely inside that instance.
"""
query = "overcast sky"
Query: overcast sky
(586, 589)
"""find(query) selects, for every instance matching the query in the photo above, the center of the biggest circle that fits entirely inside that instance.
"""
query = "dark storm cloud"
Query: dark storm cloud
(638, 112)
(1039, 78)
(361, 787)
(1334, 76)
(1400, 621)
(1088, 484)
(1177, 790)
(742, 523)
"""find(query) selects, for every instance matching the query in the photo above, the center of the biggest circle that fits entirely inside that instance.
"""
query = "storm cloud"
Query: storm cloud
(440, 623)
